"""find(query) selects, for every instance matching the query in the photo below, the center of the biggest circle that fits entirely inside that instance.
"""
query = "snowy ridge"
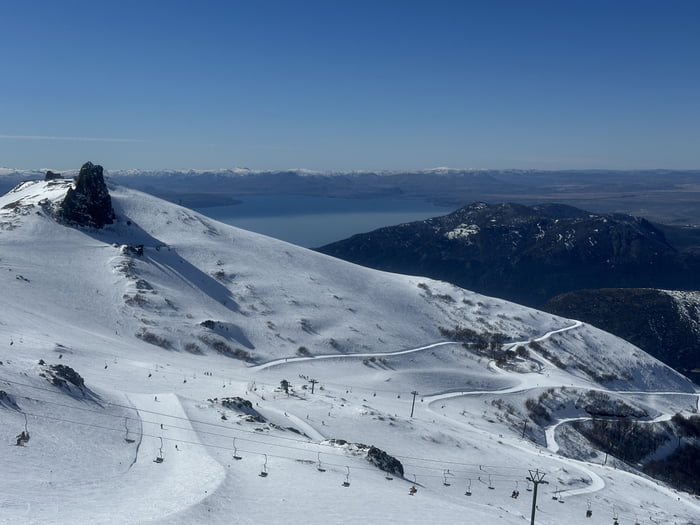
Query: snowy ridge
(170, 318)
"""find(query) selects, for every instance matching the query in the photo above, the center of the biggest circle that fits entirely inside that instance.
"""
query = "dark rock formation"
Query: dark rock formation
(88, 203)
(384, 461)
(62, 376)
(527, 254)
(50, 175)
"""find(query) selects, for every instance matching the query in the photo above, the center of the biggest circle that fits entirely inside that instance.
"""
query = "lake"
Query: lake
(314, 221)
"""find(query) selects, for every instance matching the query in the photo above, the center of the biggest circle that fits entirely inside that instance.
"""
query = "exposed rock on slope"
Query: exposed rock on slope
(89, 203)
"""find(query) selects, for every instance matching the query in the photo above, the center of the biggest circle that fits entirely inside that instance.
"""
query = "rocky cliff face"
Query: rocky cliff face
(88, 203)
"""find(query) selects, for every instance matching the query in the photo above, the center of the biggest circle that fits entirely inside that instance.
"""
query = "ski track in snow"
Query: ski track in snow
(305, 427)
(190, 473)
(597, 483)
(287, 360)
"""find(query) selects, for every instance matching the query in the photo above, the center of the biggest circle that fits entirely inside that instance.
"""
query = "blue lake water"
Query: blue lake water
(314, 221)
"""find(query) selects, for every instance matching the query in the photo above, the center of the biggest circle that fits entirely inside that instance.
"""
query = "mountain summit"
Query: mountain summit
(88, 203)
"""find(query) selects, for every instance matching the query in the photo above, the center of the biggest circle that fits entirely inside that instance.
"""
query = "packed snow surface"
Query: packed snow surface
(180, 334)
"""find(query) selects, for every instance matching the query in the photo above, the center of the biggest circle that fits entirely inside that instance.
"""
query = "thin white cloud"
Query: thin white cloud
(79, 139)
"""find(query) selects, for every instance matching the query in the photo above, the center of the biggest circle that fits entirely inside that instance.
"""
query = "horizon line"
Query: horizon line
(78, 139)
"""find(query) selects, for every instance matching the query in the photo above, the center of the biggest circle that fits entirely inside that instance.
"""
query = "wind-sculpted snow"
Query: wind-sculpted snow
(165, 313)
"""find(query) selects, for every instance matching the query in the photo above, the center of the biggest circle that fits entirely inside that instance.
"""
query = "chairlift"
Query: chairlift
(469, 489)
(516, 493)
(160, 458)
(319, 467)
(127, 438)
(413, 489)
(529, 487)
(555, 497)
(589, 512)
(263, 472)
(491, 484)
(615, 522)
(235, 451)
(444, 475)
(23, 436)
(346, 483)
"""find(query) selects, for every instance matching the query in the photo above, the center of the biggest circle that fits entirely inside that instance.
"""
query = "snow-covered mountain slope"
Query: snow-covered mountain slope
(142, 357)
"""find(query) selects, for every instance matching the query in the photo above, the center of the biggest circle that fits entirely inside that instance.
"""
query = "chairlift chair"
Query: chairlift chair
(516, 493)
(127, 438)
(469, 489)
(319, 467)
(444, 475)
(235, 451)
(346, 483)
(159, 458)
(491, 484)
(263, 472)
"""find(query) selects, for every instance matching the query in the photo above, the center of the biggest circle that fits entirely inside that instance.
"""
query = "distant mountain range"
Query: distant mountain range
(664, 196)
(527, 254)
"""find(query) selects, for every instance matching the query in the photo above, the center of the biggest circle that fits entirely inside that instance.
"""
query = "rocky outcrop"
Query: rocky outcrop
(50, 175)
(88, 203)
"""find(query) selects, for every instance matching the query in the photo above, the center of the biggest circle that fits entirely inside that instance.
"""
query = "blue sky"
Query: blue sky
(345, 85)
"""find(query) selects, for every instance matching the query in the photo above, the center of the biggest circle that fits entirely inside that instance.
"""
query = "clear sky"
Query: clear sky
(350, 84)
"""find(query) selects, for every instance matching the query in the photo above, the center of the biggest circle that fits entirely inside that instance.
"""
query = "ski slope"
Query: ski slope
(167, 341)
